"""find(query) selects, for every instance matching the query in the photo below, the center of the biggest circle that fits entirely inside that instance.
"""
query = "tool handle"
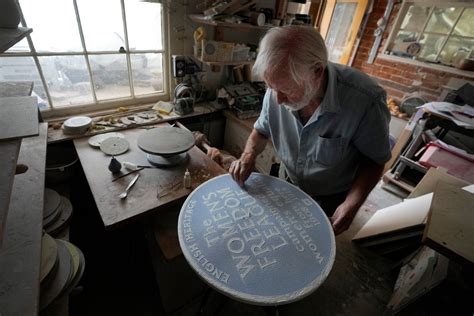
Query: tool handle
(130, 185)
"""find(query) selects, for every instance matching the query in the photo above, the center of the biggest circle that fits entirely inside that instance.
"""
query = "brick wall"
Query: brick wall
(398, 79)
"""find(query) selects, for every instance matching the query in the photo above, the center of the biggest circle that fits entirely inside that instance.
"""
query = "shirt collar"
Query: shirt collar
(330, 101)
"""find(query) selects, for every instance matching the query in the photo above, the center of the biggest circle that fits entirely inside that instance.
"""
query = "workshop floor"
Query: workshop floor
(119, 277)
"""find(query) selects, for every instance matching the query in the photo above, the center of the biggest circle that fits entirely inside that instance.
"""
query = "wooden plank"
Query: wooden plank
(15, 88)
(142, 199)
(401, 143)
(18, 117)
(449, 226)
(8, 156)
(20, 256)
(432, 178)
(399, 217)
(9, 37)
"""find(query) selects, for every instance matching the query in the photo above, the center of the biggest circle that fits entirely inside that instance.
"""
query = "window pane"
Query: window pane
(431, 45)
(147, 73)
(110, 76)
(20, 47)
(144, 25)
(339, 30)
(442, 20)
(54, 25)
(102, 24)
(465, 26)
(456, 49)
(402, 41)
(67, 79)
(415, 18)
(24, 69)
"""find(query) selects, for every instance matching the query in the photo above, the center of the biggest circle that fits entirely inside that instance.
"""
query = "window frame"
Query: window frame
(385, 54)
(104, 105)
(330, 6)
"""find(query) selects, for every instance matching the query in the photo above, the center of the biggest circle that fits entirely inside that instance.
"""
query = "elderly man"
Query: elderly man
(327, 122)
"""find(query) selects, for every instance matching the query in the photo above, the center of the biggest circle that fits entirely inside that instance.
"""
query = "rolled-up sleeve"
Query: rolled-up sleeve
(262, 123)
(372, 135)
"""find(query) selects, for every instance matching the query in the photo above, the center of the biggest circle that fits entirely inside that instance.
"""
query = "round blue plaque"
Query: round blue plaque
(266, 244)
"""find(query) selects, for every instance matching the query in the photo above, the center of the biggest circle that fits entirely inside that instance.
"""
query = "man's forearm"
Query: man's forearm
(255, 144)
(368, 174)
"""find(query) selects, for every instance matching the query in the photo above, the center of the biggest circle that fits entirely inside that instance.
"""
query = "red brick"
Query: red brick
(362, 55)
(357, 64)
(367, 70)
(378, 11)
(365, 44)
(392, 70)
(402, 80)
(407, 67)
(380, 3)
(372, 23)
(363, 50)
(382, 74)
(384, 62)
(432, 84)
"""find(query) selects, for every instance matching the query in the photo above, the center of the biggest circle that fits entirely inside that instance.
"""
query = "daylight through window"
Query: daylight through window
(442, 33)
(85, 52)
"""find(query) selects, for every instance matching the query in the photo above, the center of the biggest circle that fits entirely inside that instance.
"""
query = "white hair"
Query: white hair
(300, 48)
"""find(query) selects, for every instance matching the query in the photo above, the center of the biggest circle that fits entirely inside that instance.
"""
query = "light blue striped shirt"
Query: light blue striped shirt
(322, 156)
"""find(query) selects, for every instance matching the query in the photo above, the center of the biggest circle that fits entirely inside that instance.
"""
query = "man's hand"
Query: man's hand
(342, 218)
(215, 155)
(241, 169)
(368, 174)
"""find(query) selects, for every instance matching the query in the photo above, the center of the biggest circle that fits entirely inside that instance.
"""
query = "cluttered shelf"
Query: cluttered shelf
(199, 18)
(222, 63)
(124, 120)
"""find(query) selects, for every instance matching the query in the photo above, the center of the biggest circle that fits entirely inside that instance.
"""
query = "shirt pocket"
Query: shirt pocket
(330, 151)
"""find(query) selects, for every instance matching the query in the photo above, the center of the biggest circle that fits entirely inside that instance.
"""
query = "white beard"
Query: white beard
(301, 104)
(294, 107)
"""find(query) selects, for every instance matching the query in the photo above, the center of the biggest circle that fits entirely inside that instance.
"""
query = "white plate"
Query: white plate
(114, 146)
(95, 141)
(77, 122)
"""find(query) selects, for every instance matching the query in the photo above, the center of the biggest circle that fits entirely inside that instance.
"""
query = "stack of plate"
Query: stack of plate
(57, 213)
(62, 267)
(77, 125)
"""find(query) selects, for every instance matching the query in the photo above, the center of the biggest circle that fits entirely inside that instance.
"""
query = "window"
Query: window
(85, 54)
(340, 24)
(433, 32)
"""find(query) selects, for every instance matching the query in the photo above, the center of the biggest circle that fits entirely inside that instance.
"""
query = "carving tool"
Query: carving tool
(126, 174)
(131, 166)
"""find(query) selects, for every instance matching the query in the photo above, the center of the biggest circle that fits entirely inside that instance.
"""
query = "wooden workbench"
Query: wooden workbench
(20, 255)
(142, 199)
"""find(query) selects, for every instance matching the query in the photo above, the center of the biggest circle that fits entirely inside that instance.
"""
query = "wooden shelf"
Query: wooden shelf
(9, 37)
(222, 63)
(199, 18)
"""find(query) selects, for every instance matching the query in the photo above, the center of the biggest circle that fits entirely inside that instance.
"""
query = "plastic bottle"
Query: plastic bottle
(187, 179)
